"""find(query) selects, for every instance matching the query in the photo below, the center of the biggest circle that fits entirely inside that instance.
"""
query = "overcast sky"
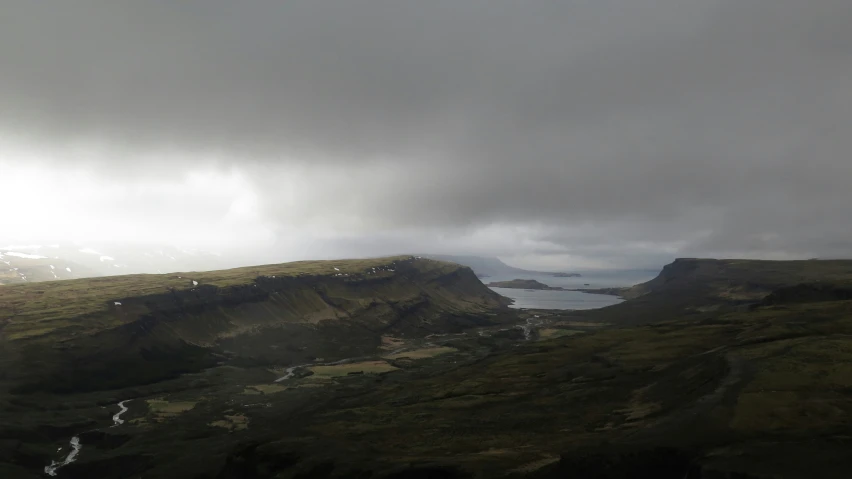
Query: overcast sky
(558, 134)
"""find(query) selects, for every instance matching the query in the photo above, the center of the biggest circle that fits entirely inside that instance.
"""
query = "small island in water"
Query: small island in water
(532, 285)
(524, 284)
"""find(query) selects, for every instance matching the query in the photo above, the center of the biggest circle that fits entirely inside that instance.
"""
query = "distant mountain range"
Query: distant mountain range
(23, 263)
(485, 266)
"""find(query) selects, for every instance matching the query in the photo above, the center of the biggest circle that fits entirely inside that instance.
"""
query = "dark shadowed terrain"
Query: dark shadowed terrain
(406, 367)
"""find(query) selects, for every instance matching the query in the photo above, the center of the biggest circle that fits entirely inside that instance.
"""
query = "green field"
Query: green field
(422, 353)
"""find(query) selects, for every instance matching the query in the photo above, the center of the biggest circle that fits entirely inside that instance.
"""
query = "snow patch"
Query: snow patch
(24, 255)
(52, 267)
(89, 251)
(337, 269)
(118, 303)
(107, 258)
(194, 283)
(23, 247)
(68, 269)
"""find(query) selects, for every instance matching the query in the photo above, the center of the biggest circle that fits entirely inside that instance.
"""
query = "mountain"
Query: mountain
(405, 368)
(84, 261)
(17, 267)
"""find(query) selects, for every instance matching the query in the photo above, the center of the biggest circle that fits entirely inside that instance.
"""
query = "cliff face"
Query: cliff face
(702, 287)
(743, 280)
(268, 319)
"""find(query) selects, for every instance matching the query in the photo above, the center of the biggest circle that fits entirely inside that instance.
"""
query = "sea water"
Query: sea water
(543, 299)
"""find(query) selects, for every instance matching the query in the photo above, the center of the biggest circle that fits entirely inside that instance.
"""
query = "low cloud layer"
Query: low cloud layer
(609, 133)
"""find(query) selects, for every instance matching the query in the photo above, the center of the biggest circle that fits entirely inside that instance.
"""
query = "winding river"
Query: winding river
(117, 417)
(76, 445)
(71, 457)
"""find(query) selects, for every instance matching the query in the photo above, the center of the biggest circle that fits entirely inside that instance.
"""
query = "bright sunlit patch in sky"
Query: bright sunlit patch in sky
(198, 207)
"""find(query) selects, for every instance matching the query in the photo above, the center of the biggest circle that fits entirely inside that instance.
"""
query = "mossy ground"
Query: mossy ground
(423, 353)
(363, 367)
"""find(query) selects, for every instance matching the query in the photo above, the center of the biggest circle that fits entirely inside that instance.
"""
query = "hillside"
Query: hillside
(275, 314)
(738, 279)
(705, 288)
(715, 369)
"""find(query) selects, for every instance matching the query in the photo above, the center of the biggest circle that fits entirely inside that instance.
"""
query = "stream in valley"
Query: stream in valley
(76, 445)
(54, 466)
(116, 419)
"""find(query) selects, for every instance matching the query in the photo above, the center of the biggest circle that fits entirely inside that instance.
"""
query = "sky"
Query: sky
(557, 135)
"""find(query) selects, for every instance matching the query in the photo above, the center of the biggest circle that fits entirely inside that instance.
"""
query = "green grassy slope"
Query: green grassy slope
(42, 308)
(110, 332)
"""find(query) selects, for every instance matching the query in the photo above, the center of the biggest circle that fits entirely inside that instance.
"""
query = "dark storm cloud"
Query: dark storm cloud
(358, 76)
(702, 126)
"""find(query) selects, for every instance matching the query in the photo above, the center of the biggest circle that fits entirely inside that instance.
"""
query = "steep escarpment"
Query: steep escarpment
(115, 337)
(700, 288)
(740, 279)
